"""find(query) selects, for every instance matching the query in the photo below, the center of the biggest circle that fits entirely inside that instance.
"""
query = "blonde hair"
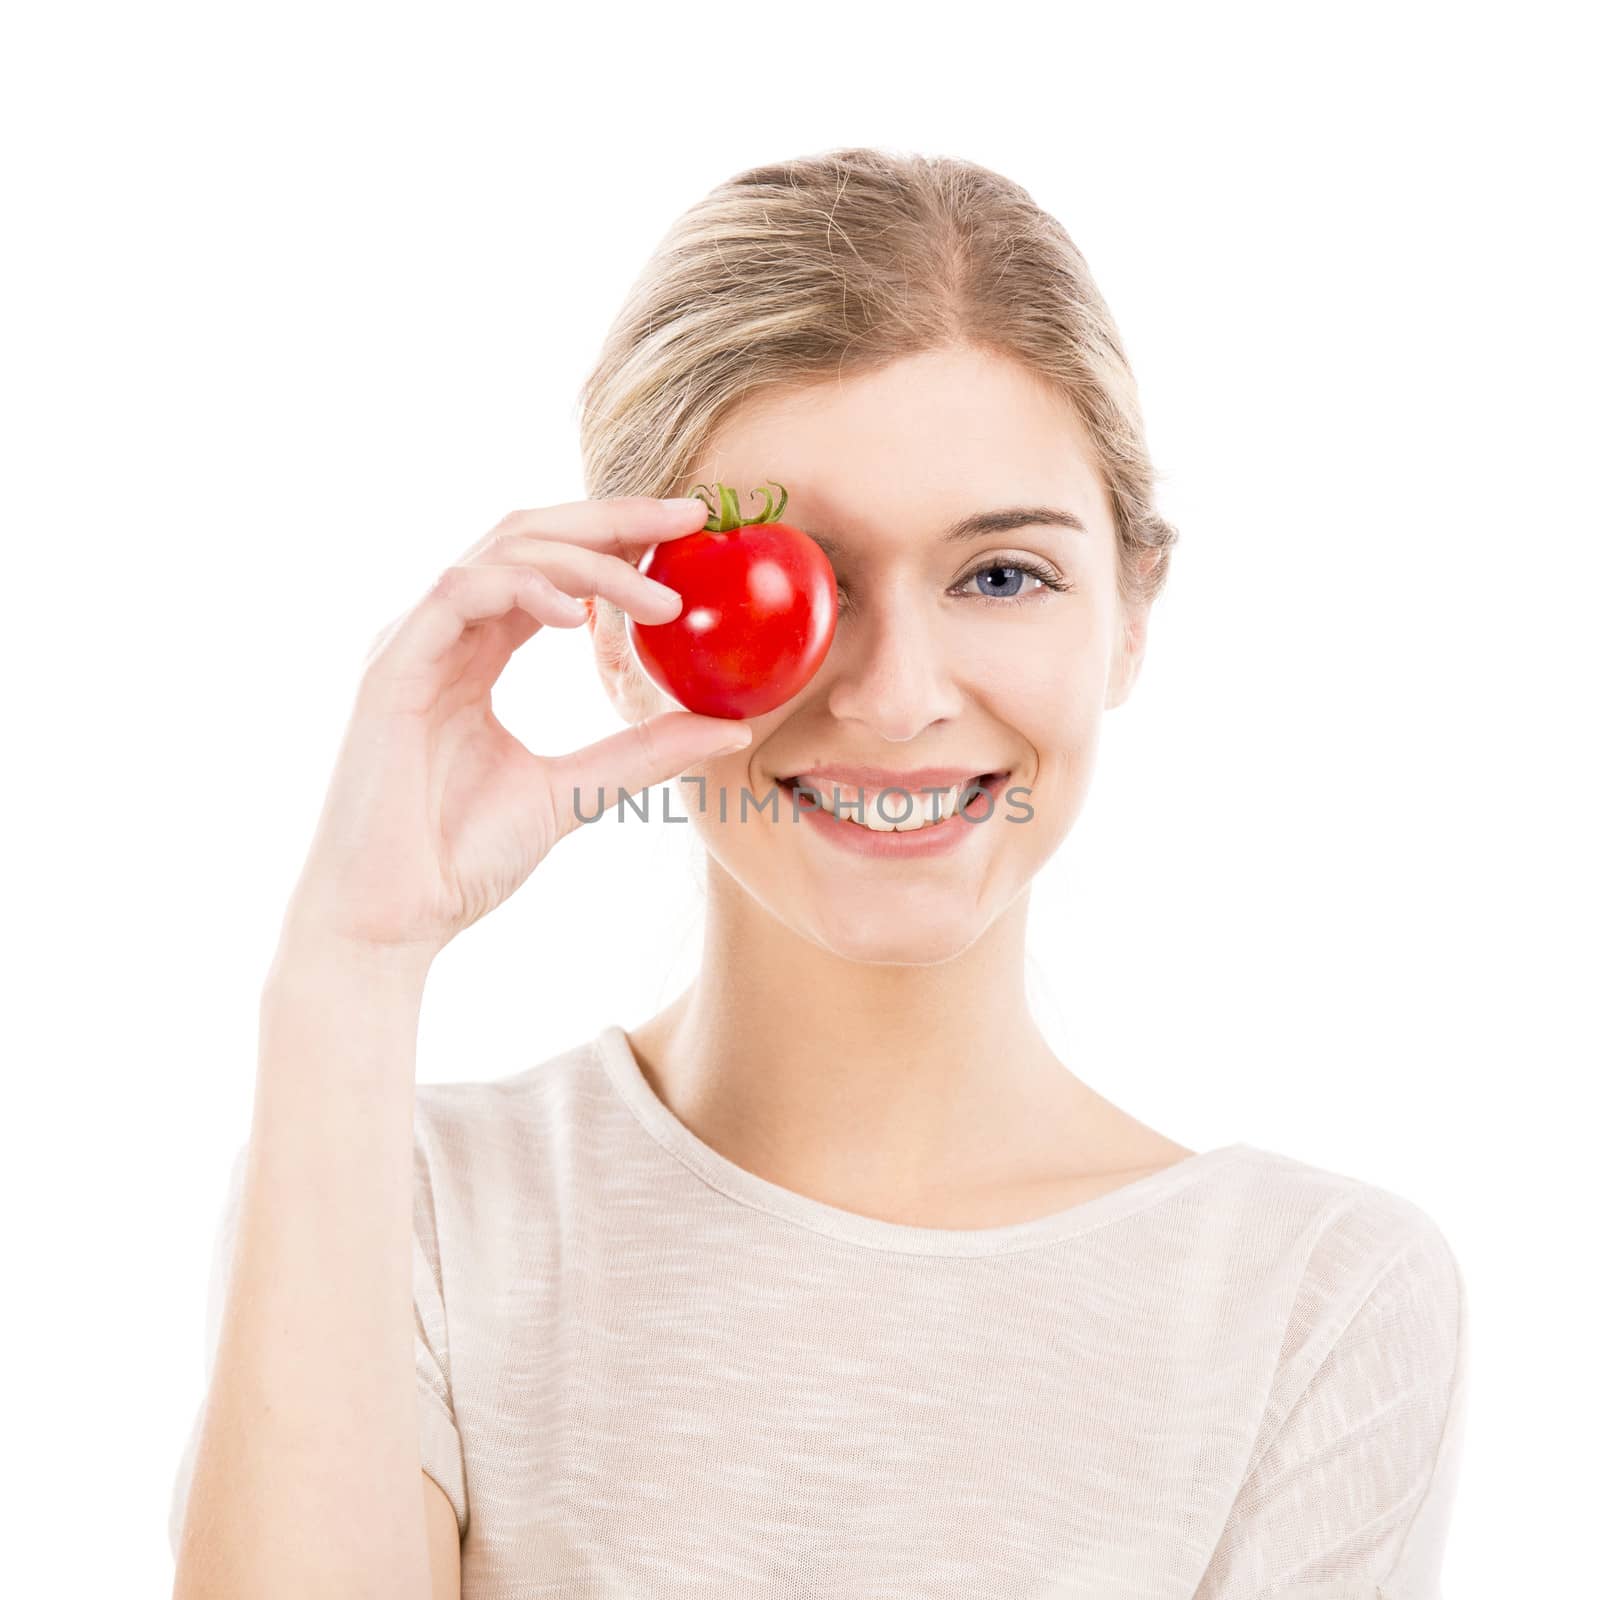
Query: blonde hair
(842, 262)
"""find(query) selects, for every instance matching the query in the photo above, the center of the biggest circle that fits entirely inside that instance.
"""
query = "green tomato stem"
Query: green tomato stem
(724, 505)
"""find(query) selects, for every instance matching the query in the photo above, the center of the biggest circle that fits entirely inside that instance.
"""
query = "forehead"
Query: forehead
(911, 446)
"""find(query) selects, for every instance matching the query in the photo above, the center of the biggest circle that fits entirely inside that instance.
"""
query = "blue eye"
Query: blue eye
(1008, 574)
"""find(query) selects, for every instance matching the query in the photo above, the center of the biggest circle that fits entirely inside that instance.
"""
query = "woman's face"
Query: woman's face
(945, 655)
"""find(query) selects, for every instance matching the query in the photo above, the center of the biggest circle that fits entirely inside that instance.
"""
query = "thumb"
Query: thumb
(641, 755)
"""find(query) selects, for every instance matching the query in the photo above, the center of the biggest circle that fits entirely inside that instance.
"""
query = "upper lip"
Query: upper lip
(884, 778)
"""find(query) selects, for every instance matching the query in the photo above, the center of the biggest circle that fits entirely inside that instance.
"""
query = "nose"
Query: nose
(891, 669)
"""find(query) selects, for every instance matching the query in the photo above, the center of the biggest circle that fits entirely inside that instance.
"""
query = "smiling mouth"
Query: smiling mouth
(849, 804)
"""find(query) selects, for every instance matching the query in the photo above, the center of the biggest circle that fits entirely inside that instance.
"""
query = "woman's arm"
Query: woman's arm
(307, 1475)
(307, 1472)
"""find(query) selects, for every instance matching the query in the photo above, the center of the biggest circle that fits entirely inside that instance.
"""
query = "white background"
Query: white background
(298, 302)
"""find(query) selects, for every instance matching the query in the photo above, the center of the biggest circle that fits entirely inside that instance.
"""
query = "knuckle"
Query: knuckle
(645, 737)
(520, 524)
(448, 583)
(510, 549)
(508, 523)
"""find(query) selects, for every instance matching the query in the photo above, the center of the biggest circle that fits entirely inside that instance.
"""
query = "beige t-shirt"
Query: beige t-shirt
(644, 1371)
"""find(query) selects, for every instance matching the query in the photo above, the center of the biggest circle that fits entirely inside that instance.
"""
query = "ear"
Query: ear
(1128, 658)
(1131, 636)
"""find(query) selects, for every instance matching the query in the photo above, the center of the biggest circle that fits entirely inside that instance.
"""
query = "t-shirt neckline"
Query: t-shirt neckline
(622, 1069)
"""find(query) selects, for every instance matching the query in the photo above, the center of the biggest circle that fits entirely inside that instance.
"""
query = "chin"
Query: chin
(886, 940)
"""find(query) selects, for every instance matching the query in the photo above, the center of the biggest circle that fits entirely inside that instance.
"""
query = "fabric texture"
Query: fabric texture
(642, 1370)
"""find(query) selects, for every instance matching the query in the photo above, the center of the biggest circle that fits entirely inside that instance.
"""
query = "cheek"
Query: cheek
(1051, 695)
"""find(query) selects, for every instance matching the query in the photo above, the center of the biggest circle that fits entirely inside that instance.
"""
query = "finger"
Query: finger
(622, 525)
(381, 636)
(462, 596)
(583, 573)
(646, 753)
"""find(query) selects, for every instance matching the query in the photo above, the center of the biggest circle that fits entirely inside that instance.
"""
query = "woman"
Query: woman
(830, 1279)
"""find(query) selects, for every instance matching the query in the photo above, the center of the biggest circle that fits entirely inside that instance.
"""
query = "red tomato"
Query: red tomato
(759, 608)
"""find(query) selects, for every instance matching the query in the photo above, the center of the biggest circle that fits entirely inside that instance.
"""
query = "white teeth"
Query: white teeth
(923, 810)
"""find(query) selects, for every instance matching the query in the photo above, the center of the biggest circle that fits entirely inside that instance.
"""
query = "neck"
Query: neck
(860, 1083)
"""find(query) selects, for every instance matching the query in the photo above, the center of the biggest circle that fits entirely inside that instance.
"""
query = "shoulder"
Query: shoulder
(1301, 1242)
(488, 1149)
(1348, 1227)
(1360, 1262)
(460, 1122)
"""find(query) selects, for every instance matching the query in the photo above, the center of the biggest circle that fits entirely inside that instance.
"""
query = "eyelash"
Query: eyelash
(1043, 574)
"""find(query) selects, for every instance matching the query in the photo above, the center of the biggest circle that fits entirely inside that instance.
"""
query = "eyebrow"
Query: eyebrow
(979, 523)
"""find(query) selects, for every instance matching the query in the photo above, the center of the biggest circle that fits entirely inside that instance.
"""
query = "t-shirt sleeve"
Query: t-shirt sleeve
(442, 1456)
(1353, 1477)
(441, 1442)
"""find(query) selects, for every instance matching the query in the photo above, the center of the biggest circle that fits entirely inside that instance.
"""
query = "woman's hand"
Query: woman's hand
(435, 813)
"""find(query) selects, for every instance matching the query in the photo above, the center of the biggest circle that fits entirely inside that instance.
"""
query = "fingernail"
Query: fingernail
(738, 744)
(683, 505)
